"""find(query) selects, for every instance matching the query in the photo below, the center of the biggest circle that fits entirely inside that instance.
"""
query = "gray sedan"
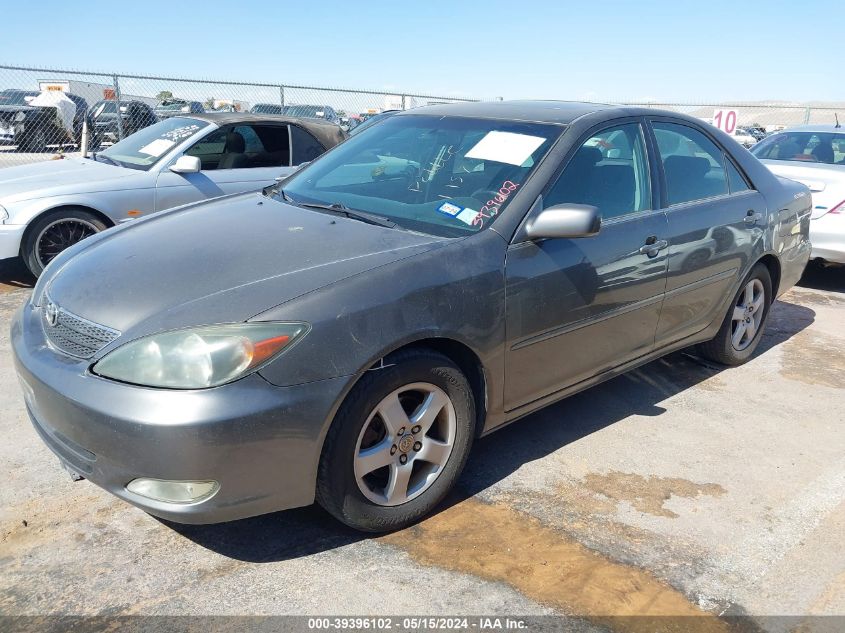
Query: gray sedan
(428, 281)
(48, 206)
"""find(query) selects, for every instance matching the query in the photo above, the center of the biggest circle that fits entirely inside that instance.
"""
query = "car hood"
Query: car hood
(221, 261)
(42, 179)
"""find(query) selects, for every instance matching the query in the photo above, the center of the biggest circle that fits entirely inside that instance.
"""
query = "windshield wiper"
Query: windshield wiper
(341, 209)
(101, 158)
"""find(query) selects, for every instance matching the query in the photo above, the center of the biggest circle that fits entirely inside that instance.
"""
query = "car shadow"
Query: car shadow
(301, 532)
(13, 274)
(818, 277)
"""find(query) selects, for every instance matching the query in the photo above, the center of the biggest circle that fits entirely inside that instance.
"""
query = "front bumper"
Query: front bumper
(11, 236)
(260, 442)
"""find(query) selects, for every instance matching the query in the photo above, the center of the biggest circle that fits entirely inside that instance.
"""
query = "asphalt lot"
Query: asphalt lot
(680, 488)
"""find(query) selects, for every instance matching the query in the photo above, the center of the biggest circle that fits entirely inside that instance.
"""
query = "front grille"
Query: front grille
(74, 335)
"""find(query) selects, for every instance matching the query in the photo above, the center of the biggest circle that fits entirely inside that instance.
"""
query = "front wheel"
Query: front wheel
(398, 442)
(51, 234)
(743, 326)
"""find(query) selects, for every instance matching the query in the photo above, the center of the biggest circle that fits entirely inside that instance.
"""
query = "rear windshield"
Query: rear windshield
(446, 176)
(806, 147)
(312, 112)
(266, 108)
(144, 148)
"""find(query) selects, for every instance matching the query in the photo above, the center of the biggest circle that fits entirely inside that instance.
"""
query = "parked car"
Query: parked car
(102, 120)
(744, 137)
(176, 107)
(372, 120)
(327, 113)
(46, 207)
(815, 156)
(346, 334)
(32, 127)
(267, 108)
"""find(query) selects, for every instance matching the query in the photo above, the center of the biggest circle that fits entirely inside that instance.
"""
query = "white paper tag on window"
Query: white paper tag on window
(505, 147)
(157, 147)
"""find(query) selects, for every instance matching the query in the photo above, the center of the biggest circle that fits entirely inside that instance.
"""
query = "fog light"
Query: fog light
(173, 491)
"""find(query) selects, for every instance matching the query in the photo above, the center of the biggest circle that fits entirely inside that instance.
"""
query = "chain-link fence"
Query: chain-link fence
(46, 111)
(768, 115)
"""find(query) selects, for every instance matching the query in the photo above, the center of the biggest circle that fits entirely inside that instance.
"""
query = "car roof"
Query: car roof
(559, 112)
(226, 118)
(329, 134)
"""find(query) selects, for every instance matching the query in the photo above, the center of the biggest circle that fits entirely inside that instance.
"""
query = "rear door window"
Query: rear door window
(693, 165)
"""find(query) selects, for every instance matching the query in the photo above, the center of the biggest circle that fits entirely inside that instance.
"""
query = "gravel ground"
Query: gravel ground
(680, 488)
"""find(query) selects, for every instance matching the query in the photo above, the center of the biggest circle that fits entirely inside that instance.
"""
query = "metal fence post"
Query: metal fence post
(119, 118)
(282, 97)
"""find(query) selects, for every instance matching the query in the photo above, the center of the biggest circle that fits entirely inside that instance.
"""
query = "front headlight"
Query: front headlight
(4, 215)
(201, 357)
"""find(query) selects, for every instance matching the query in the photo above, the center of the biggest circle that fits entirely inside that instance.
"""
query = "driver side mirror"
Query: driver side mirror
(565, 220)
(186, 165)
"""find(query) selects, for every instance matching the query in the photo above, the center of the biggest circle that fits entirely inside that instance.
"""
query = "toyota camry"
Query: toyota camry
(440, 275)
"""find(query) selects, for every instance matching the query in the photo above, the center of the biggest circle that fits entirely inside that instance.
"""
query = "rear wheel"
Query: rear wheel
(51, 234)
(743, 326)
(398, 443)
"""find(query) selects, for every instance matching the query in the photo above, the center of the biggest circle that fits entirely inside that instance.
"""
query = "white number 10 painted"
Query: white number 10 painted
(725, 120)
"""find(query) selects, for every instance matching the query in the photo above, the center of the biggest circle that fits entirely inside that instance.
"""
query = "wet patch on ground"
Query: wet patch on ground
(497, 543)
(814, 359)
(810, 298)
(646, 494)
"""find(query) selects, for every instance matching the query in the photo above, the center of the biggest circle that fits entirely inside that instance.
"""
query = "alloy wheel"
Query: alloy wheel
(747, 314)
(59, 235)
(405, 444)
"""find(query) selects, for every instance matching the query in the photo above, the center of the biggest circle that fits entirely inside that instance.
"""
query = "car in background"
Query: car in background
(372, 120)
(324, 112)
(345, 335)
(814, 155)
(102, 120)
(33, 128)
(48, 206)
(267, 108)
(744, 137)
(175, 107)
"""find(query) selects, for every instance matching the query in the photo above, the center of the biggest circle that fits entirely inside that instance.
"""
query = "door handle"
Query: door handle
(653, 246)
(751, 217)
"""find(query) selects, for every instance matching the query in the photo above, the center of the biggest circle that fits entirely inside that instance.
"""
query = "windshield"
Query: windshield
(144, 148)
(107, 107)
(808, 147)
(370, 121)
(266, 108)
(313, 112)
(174, 106)
(446, 176)
(16, 97)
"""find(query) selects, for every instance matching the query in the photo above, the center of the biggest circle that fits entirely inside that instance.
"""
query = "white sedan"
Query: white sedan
(814, 155)
(49, 206)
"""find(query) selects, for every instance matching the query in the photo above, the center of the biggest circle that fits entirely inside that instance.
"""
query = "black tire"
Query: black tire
(337, 489)
(721, 348)
(79, 223)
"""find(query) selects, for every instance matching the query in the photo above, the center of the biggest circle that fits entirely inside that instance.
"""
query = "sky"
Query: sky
(601, 50)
